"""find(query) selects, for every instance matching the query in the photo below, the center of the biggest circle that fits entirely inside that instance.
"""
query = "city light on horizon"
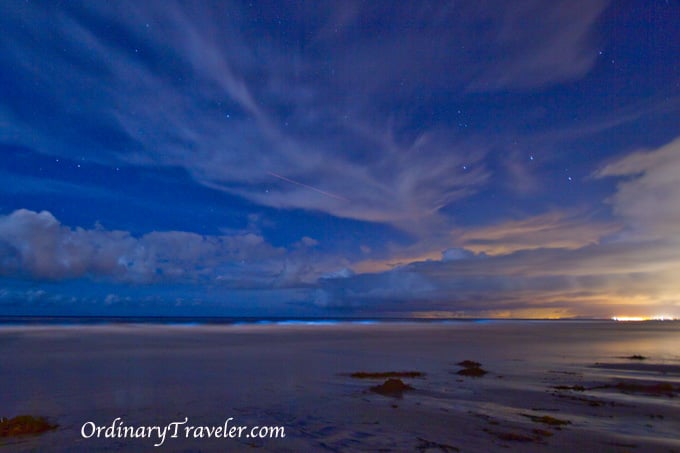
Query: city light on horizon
(644, 318)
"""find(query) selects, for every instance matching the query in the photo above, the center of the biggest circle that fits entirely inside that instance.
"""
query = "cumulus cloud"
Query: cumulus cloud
(37, 245)
(648, 196)
(362, 290)
(456, 253)
(340, 273)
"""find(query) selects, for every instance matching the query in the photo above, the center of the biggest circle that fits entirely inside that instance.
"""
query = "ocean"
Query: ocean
(549, 385)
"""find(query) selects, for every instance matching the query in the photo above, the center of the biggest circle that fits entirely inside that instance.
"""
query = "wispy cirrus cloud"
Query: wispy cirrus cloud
(550, 230)
(185, 85)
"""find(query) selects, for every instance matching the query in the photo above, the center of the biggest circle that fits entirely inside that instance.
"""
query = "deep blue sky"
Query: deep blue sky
(463, 158)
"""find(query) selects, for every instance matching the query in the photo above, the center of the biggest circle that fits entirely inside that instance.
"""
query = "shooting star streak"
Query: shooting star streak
(322, 192)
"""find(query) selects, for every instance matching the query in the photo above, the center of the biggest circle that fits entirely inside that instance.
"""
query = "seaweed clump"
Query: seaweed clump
(391, 387)
(23, 425)
(471, 369)
(663, 388)
(469, 364)
(576, 388)
(547, 420)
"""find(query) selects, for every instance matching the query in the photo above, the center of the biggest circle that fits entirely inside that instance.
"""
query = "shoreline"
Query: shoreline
(298, 376)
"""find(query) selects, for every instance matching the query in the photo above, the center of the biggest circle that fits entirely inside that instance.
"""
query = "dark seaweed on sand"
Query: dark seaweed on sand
(662, 388)
(24, 424)
(469, 364)
(391, 387)
(471, 369)
(576, 388)
(547, 420)
(472, 372)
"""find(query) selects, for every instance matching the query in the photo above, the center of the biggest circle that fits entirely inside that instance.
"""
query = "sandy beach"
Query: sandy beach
(550, 386)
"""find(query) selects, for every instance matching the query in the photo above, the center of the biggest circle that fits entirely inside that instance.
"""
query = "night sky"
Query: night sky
(467, 158)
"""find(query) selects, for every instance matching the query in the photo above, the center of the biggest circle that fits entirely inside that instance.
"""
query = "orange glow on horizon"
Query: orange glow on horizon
(644, 318)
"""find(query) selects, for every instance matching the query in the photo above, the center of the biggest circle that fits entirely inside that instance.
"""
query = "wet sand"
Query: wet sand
(550, 386)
